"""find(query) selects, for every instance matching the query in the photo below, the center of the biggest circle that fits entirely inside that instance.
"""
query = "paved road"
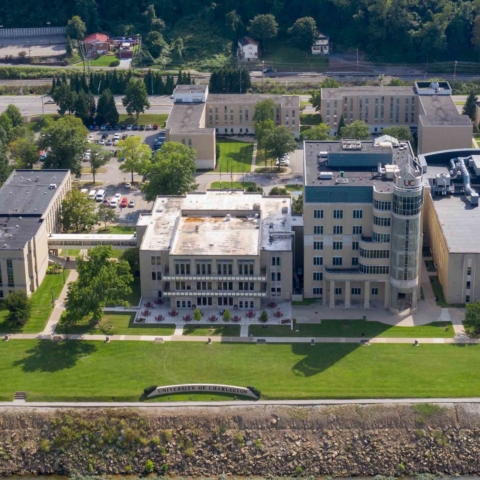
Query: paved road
(32, 104)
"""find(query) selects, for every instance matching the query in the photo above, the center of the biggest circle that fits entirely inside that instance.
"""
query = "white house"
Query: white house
(247, 49)
(321, 45)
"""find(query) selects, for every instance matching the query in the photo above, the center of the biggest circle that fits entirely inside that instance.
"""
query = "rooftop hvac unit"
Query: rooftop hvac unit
(256, 206)
(284, 209)
(325, 175)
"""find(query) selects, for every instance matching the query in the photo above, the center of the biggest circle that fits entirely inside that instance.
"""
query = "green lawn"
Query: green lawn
(117, 229)
(353, 328)
(41, 306)
(119, 324)
(70, 252)
(285, 57)
(103, 61)
(294, 187)
(231, 185)
(212, 331)
(305, 301)
(144, 119)
(235, 156)
(97, 371)
(438, 292)
(310, 118)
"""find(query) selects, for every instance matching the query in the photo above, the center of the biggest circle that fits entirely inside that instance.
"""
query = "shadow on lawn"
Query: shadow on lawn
(48, 356)
(319, 357)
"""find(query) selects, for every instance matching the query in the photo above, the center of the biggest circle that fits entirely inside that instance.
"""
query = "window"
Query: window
(204, 268)
(467, 299)
(468, 286)
(337, 261)
(354, 261)
(318, 214)
(318, 230)
(407, 205)
(375, 291)
(276, 261)
(225, 286)
(245, 286)
(317, 276)
(317, 290)
(245, 268)
(156, 260)
(381, 237)
(279, 277)
(469, 272)
(189, 142)
(337, 245)
(1, 293)
(182, 268)
(381, 222)
(358, 214)
(357, 230)
(318, 245)
(317, 261)
(338, 214)
(356, 291)
(354, 245)
(381, 205)
(204, 285)
(224, 268)
(374, 253)
(377, 270)
(338, 291)
(337, 230)
(154, 275)
(204, 301)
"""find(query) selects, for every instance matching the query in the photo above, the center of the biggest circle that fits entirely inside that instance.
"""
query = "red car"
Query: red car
(97, 128)
(124, 202)
(155, 126)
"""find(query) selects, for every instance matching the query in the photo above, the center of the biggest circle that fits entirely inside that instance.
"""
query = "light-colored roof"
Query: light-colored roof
(441, 110)
(252, 99)
(336, 93)
(219, 223)
(187, 118)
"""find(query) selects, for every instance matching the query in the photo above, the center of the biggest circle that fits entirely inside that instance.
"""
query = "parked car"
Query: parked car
(115, 126)
(135, 127)
(124, 202)
(90, 138)
(105, 135)
(162, 134)
(131, 203)
(96, 128)
(124, 136)
(90, 127)
(282, 162)
(114, 202)
(109, 127)
(155, 126)
(103, 127)
(109, 142)
(116, 136)
(141, 128)
(129, 127)
(115, 142)
(118, 196)
(128, 186)
(50, 102)
(149, 127)
(123, 126)
(106, 201)
(101, 141)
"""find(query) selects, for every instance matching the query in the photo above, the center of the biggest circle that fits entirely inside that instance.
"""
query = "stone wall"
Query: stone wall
(352, 440)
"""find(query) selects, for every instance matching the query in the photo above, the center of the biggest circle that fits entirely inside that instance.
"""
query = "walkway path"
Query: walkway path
(59, 306)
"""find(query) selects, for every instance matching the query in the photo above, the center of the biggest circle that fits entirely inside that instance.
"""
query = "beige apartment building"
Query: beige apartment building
(452, 221)
(362, 224)
(225, 249)
(198, 117)
(427, 108)
(30, 204)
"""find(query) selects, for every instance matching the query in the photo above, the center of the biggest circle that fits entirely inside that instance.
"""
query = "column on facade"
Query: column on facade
(332, 294)
(366, 303)
(386, 302)
(347, 294)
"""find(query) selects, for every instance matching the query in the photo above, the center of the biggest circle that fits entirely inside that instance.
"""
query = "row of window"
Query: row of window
(10, 279)
(374, 253)
(381, 221)
(338, 230)
(223, 268)
(375, 269)
(222, 301)
(382, 205)
(338, 214)
(381, 237)
(338, 291)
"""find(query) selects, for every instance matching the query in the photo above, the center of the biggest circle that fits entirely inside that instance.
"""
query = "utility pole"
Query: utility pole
(263, 68)
(455, 70)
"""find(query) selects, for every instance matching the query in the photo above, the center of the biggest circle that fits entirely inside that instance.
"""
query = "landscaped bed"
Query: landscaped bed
(120, 370)
(353, 328)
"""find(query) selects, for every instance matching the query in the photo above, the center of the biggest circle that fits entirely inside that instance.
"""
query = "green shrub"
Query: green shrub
(298, 470)
(155, 441)
(189, 452)
(263, 316)
(44, 445)
(149, 466)
(239, 439)
(166, 435)
(115, 63)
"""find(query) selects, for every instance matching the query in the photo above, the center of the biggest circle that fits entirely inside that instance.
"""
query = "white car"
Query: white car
(115, 142)
(101, 141)
(149, 127)
(117, 196)
(282, 162)
(90, 139)
(128, 186)
(114, 202)
(116, 136)
(129, 127)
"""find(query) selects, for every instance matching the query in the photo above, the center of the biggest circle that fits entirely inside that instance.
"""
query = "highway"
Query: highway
(32, 104)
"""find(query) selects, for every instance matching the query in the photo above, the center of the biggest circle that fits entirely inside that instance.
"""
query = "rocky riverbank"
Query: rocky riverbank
(352, 440)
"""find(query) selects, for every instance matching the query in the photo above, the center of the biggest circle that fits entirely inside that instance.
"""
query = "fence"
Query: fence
(31, 32)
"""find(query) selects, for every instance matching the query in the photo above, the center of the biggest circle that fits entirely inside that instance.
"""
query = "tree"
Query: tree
(472, 319)
(197, 315)
(19, 307)
(105, 215)
(263, 27)
(357, 129)
(64, 98)
(5, 167)
(304, 33)
(400, 133)
(171, 171)
(132, 257)
(318, 132)
(99, 157)
(24, 151)
(233, 22)
(278, 191)
(155, 43)
(106, 108)
(476, 34)
(81, 106)
(78, 212)
(329, 82)
(76, 28)
(153, 22)
(102, 281)
(136, 97)
(341, 124)
(227, 316)
(470, 106)
(66, 140)
(264, 110)
(263, 316)
(15, 116)
(297, 205)
(315, 99)
(280, 142)
(136, 155)
(177, 48)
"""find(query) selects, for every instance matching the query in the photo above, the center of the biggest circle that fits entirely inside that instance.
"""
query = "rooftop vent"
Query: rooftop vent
(351, 144)
(52, 186)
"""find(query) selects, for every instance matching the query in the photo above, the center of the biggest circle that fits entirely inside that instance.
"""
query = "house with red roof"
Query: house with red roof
(96, 44)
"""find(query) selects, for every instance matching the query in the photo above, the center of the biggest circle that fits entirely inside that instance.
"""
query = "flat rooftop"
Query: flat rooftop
(336, 93)
(441, 110)
(28, 192)
(191, 88)
(248, 98)
(218, 223)
(355, 173)
(15, 232)
(187, 118)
